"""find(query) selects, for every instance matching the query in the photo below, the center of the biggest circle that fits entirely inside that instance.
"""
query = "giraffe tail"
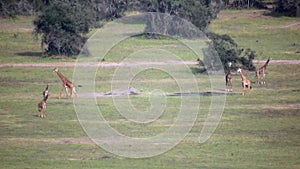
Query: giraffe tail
(78, 86)
(74, 90)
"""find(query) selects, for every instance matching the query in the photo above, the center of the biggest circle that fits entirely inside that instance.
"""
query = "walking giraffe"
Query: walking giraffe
(43, 104)
(261, 71)
(245, 82)
(66, 83)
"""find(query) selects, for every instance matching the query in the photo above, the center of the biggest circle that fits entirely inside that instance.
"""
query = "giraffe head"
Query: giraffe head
(55, 69)
(229, 64)
(239, 70)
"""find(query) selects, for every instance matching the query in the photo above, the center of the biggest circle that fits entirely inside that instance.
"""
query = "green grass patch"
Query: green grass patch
(275, 37)
(260, 130)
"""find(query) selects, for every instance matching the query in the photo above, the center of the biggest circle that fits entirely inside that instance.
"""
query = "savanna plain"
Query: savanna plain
(258, 130)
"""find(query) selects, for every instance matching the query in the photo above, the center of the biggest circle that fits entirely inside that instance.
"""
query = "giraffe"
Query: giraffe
(66, 83)
(262, 71)
(229, 81)
(228, 78)
(245, 82)
(43, 104)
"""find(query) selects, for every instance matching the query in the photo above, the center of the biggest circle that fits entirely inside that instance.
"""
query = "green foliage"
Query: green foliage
(12, 8)
(229, 51)
(62, 28)
(288, 7)
(200, 13)
(243, 4)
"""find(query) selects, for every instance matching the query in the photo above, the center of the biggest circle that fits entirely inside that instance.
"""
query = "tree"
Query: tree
(243, 4)
(63, 27)
(228, 51)
(288, 7)
(12, 8)
(298, 9)
(198, 12)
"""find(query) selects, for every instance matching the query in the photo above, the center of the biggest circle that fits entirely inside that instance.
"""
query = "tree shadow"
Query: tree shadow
(273, 13)
(198, 70)
(30, 54)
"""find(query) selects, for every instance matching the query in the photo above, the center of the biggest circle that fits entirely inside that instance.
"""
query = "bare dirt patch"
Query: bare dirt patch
(287, 106)
(291, 62)
(43, 141)
(293, 25)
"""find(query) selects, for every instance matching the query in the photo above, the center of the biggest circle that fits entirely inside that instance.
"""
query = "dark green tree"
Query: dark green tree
(198, 12)
(63, 28)
(229, 51)
(288, 7)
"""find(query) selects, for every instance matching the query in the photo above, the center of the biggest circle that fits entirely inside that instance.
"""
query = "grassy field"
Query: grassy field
(260, 130)
(275, 37)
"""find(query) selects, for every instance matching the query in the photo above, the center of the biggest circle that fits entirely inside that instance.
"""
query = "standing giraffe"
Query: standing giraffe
(43, 104)
(245, 82)
(262, 71)
(229, 81)
(228, 78)
(65, 83)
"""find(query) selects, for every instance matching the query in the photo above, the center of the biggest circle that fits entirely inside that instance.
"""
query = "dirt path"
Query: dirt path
(293, 25)
(115, 64)
(89, 64)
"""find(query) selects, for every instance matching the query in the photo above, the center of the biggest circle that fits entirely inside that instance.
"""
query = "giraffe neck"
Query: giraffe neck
(265, 65)
(61, 76)
(45, 98)
(242, 76)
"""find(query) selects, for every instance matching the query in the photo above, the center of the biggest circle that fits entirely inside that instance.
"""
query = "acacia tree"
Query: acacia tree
(63, 28)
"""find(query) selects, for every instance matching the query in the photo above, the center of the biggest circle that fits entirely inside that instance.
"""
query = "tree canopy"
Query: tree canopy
(288, 7)
(62, 27)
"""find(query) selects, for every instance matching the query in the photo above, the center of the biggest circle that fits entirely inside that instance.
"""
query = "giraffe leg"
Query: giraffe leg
(66, 90)
(264, 78)
(74, 91)
(249, 86)
(39, 111)
(44, 113)
(44, 110)
(256, 78)
(71, 91)
(61, 92)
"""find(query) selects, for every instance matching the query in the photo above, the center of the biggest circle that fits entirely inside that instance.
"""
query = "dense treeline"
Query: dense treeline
(115, 8)
(63, 24)
(288, 7)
